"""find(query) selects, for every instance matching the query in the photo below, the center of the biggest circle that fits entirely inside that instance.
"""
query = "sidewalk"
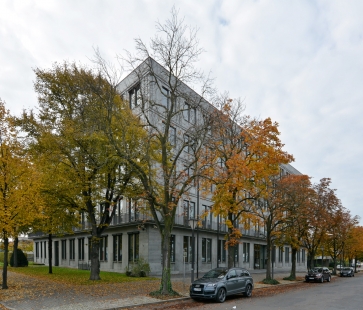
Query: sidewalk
(37, 294)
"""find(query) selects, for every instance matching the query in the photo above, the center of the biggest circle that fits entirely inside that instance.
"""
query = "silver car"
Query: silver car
(221, 282)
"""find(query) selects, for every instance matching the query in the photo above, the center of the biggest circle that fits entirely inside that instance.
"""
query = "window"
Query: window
(281, 251)
(303, 255)
(37, 249)
(45, 249)
(236, 253)
(172, 248)
(64, 249)
(134, 97)
(206, 250)
(187, 247)
(72, 254)
(41, 250)
(165, 97)
(117, 248)
(298, 256)
(81, 249)
(188, 144)
(190, 113)
(189, 211)
(207, 220)
(103, 248)
(246, 252)
(172, 136)
(287, 254)
(221, 250)
(133, 247)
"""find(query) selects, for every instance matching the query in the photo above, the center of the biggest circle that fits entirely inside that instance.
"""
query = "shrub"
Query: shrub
(139, 269)
(22, 260)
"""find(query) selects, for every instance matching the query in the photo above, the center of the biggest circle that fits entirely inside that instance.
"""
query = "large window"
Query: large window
(172, 136)
(103, 248)
(221, 250)
(206, 250)
(64, 249)
(117, 248)
(281, 251)
(189, 211)
(236, 253)
(287, 255)
(303, 255)
(81, 249)
(207, 220)
(133, 247)
(45, 249)
(298, 256)
(246, 252)
(190, 113)
(165, 97)
(172, 248)
(134, 97)
(37, 249)
(187, 248)
(72, 254)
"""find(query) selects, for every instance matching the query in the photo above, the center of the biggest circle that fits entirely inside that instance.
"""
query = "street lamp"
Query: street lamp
(193, 224)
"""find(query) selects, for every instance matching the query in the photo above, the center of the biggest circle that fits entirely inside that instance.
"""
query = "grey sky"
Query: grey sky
(298, 62)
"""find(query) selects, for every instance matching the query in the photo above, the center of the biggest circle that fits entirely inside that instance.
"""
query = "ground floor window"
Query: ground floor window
(206, 250)
(303, 255)
(187, 248)
(37, 249)
(298, 256)
(103, 248)
(236, 253)
(133, 247)
(117, 248)
(222, 250)
(45, 249)
(72, 254)
(172, 248)
(64, 249)
(246, 252)
(81, 248)
(281, 251)
(287, 255)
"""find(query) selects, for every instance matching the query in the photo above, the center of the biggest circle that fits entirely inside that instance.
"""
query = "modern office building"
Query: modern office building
(133, 234)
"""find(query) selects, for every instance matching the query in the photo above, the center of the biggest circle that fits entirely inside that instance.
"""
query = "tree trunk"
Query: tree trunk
(95, 262)
(50, 250)
(293, 264)
(268, 250)
(230, 255)
(15, 254)
(5, 268)
(165, 285)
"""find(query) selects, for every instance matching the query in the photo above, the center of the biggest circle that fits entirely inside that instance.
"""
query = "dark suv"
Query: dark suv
(318, 274)
(221, 282)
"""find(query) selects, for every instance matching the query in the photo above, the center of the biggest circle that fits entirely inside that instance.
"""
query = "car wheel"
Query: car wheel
(321, 279)
(248, 292)
(221, 295)
(329, 279)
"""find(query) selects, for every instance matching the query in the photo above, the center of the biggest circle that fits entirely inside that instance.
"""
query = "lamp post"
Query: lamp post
(193, 223)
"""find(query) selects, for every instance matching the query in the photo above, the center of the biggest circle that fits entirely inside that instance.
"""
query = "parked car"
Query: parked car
(318, 274)
(347, 272)
(221, 282)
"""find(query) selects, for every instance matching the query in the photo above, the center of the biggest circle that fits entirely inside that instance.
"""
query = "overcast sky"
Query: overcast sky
(298, 62)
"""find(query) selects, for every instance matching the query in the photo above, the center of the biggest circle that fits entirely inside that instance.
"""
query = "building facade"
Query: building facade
(132, 234)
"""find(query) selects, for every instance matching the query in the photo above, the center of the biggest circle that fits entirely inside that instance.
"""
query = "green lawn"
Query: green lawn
(74, 276)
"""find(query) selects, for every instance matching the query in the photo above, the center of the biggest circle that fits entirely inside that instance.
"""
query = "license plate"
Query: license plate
(311, 278)
(197, 289)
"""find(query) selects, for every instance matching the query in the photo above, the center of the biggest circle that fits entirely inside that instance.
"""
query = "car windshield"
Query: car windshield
(215, 273)
(346, 269)
(316, 270)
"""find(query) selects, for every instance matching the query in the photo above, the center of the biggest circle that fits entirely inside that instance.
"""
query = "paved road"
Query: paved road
(341, 293)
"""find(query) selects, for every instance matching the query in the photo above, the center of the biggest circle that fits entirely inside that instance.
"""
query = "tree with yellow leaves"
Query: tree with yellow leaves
(20, 202)
(245, 155)
(76, 104)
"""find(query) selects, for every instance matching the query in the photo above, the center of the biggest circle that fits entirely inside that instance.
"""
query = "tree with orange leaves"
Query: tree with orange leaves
(245, 155)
